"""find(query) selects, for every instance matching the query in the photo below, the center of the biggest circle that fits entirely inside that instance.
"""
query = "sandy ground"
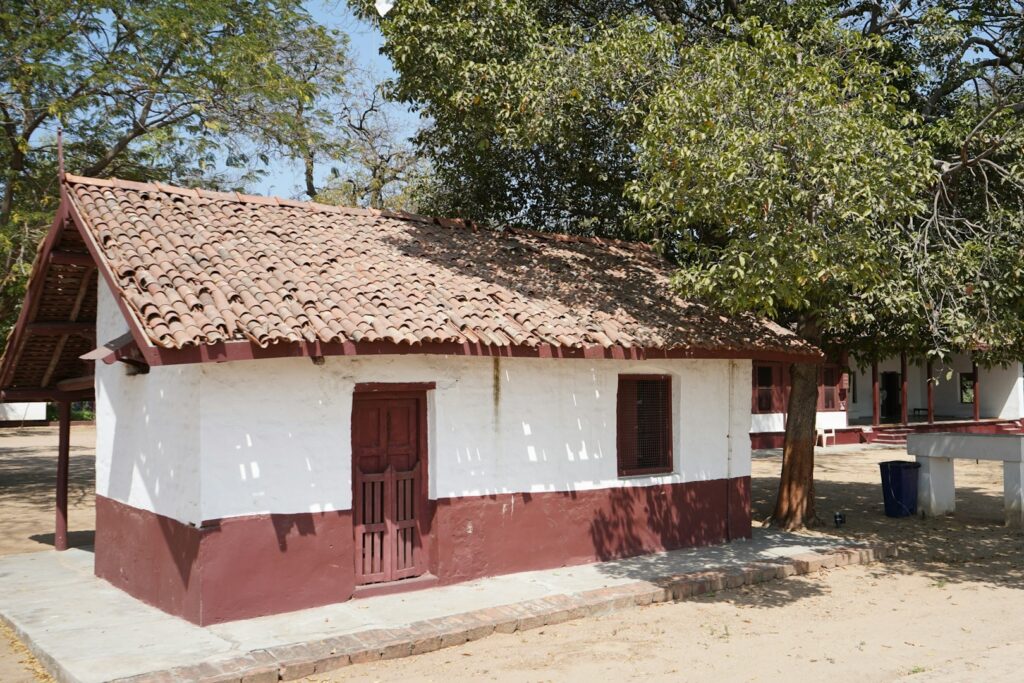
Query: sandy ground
(28, 468)
(28, 471)
(948, 610)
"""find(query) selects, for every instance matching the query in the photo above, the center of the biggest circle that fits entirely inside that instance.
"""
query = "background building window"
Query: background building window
(768, 390)
(644, 425)
(828, 396)
(967, 387)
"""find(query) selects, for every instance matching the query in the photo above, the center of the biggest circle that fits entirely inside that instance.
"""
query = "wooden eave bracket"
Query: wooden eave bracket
(123, 349)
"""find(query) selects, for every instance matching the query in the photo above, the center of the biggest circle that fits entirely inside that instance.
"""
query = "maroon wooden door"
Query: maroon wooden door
(388, 458)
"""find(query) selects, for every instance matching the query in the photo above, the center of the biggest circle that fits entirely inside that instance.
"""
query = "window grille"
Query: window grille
(769, 392)
(830, 388)
(644, 424)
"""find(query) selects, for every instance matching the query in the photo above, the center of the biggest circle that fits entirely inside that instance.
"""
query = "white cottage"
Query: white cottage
(298, 404)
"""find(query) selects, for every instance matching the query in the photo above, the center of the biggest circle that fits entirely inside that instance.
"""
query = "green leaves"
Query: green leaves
(793, 157)
(157, 90)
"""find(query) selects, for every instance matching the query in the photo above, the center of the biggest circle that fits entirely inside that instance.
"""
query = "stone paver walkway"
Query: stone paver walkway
(84, 630)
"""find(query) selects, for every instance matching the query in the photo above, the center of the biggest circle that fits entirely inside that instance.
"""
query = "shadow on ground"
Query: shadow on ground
(32, 478)
(971, 546)
(83, 540)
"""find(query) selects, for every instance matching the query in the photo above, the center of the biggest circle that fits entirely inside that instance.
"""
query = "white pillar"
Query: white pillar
(1013, 493)
(935, 491)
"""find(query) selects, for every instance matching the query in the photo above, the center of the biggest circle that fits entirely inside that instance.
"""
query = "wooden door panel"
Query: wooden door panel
(389, 496)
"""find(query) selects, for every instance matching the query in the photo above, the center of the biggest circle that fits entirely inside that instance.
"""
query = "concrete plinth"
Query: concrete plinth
(935, 489)
(1013, 493)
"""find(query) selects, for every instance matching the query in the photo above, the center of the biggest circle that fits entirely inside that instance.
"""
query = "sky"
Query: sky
(284, 177)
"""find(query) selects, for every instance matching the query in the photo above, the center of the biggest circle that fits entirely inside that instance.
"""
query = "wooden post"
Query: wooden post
(931, 391)
(876, 400)
(60, 535)
(977, 404)
(903, 389)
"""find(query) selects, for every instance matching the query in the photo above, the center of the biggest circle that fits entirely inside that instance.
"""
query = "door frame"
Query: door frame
(425, 521)
(893, 397)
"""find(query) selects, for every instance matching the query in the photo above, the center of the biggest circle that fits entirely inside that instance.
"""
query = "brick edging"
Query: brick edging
(291, 662)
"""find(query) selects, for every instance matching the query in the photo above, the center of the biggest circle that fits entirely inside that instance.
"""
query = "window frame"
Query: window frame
(837, 387)
(779, 389)
(669, 433)
(960, 388)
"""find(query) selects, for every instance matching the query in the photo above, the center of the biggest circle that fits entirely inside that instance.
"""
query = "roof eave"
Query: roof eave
(244, 350)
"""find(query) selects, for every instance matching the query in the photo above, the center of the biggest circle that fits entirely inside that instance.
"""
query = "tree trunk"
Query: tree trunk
(794, 508)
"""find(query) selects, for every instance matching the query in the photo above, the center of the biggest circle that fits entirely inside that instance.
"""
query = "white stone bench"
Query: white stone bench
(936, 453)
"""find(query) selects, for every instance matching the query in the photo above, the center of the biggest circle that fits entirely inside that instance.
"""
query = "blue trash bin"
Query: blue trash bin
(899, 487)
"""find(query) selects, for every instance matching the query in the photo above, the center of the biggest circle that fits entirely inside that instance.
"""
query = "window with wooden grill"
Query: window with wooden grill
(830, 379)
(769, 392)
(644, 424)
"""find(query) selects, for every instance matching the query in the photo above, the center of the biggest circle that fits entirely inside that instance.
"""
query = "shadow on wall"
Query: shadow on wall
(652, 518)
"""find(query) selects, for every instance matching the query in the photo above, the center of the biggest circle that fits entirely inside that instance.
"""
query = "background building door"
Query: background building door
(389, 496)
(890, 397)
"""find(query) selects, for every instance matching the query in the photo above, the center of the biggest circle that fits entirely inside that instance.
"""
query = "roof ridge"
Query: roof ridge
(227, 196)
(273, 200)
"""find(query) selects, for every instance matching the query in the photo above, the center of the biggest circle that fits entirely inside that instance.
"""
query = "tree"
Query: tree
(890, 220)
(782, 169)
(380, 168)
(159, 90)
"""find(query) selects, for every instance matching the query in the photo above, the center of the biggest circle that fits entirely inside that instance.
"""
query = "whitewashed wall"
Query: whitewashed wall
(275, 434)
(947, 389)
(776, 422)
(1002, 391)
(22, 412)
(147, 429)
(202, 442)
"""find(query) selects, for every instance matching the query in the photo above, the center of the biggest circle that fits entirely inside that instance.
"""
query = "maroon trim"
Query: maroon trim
(779, 388)
(244, 567)
(621, 418)
(424, 520)
(41, 394)
(876, 396)
(904, 418)
(483, 536)
(245, 350)
(931, 391)
(60, 534)
(844, 437)
(977, 395)
(229, 569)
(373, 590)
(150, 557)
(392, 387)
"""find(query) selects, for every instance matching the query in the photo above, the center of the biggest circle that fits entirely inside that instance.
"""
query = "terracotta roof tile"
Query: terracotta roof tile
(202, 267)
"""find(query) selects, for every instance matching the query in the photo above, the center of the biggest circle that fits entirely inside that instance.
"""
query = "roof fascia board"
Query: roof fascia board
(244, 350)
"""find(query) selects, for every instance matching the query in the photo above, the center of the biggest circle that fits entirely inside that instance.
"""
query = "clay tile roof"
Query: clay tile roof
(199, 267)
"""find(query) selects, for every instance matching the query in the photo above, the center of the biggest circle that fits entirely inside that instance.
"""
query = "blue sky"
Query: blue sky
(285, 178)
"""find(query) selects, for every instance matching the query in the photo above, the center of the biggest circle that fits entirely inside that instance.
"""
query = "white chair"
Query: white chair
(825, 434)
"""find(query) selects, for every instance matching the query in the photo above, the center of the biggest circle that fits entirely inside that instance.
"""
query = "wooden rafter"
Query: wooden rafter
(76, 309)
